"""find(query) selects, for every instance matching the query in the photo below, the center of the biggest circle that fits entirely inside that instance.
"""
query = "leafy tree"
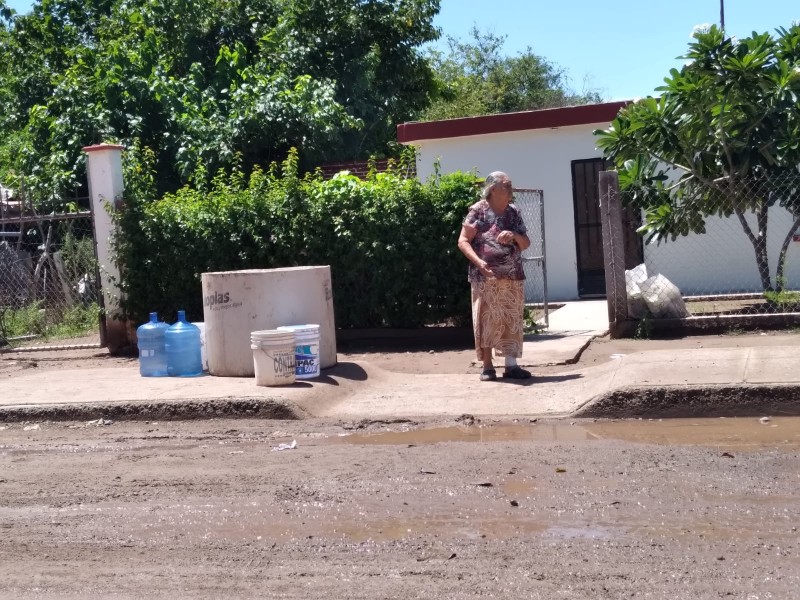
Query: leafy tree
(476, 78)
(722, 139)
(207, 84)
(369, 49)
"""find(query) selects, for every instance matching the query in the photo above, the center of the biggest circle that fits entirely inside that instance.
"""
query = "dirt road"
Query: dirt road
(209, 509)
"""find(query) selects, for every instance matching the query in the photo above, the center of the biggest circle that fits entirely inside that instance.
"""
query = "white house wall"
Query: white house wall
(539, 159)
(722, 260)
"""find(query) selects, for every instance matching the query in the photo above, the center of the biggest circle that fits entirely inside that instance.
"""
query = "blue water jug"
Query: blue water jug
(183, 348)
(152, 352)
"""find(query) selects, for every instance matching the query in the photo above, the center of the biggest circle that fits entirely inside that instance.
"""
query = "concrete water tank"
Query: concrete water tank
(236, 303)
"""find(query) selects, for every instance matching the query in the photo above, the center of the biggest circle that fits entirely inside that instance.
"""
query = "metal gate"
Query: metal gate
(49, 295)
(588, 230)
(531, 205)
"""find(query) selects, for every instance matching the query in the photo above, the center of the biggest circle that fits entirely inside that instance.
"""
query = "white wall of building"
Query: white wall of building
(722, 260)
(718, 262)
(539, 159)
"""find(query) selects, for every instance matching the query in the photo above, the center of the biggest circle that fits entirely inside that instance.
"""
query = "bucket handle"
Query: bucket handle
(261, 347)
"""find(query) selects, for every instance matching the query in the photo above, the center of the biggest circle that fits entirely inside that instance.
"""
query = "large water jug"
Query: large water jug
(183, 349)
(152, 350)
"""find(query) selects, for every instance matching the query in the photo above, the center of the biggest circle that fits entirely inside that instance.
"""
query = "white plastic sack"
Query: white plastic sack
(637, 307)
(663, 298)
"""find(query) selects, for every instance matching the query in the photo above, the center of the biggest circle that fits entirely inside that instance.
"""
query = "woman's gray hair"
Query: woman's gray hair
(491, 179)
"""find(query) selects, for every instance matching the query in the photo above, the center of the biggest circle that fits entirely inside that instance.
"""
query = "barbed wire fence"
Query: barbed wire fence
(738, 266)
(49, 296)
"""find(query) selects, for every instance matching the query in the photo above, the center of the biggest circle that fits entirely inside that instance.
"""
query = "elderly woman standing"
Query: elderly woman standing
(493, 237)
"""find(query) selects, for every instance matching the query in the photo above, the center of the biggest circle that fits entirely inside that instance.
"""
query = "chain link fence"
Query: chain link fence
(48, 280)
(531, 205)
(739, 259)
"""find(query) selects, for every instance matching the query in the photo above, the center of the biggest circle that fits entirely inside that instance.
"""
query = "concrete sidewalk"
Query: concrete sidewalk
(659, 382)
(571, 329)
(690, 371)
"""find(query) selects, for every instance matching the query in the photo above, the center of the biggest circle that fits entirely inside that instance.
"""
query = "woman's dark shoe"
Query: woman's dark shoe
(516, 372)
(489, 375)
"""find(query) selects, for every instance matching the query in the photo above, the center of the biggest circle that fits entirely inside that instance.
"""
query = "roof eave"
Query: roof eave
(408, 133)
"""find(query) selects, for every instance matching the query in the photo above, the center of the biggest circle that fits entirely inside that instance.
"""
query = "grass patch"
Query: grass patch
(530, 317)
(785, 301)
(644, 328)
(49, 324)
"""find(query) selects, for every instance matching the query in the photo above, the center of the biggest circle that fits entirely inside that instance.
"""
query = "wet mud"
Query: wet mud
(206, 509)
(739, 433)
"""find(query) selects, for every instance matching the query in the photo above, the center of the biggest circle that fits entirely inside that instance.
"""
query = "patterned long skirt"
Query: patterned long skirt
(497, 307)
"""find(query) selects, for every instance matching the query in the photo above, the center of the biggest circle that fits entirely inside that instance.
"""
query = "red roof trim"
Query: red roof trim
(98, 147)
(519, 121)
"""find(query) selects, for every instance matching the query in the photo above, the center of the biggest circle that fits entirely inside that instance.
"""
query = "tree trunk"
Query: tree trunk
(39, 270)
(779, 277)
(762, 258)
(759, 242)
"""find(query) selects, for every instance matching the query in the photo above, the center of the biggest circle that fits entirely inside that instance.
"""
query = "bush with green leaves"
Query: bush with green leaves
(390, 241)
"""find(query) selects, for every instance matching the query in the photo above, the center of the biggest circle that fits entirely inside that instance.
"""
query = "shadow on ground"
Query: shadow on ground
(343, 370)
(536, 379)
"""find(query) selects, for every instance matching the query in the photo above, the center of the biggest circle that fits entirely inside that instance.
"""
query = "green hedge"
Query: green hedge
(390, 242)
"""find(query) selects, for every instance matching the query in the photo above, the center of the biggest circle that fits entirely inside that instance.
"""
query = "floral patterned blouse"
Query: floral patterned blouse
(505, 261)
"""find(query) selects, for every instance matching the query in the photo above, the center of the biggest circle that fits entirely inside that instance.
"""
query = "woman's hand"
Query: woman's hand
(505, 237)
(483, 267)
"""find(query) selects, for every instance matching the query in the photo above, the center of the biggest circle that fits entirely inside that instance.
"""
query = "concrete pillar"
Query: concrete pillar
(613, 252)
(104, 171)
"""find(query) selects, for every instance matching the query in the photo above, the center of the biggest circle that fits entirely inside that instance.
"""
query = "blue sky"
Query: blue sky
(623, 49)
(620, 48)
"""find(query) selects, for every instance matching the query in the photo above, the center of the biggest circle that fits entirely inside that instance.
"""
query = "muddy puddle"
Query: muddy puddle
(733, 433)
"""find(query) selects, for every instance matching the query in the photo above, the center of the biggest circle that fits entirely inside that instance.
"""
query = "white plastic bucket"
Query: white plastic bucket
(273, 357)
(306, 349)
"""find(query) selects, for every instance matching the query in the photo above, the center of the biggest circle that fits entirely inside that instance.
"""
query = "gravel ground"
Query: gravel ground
(208, 509)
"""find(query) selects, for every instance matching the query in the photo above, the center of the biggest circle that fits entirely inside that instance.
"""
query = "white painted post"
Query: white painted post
(104, 171)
